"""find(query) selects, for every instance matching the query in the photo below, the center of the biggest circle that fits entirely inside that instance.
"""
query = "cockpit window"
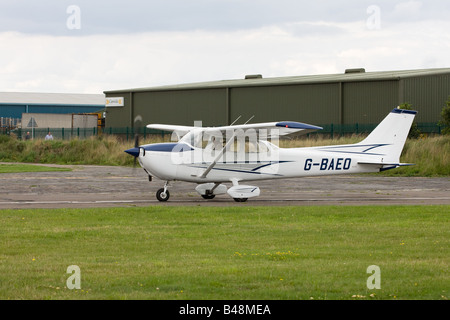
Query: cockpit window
(198, 139)
(193, 138)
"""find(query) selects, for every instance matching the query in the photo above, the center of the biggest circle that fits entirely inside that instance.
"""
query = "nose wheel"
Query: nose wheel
(163, 194)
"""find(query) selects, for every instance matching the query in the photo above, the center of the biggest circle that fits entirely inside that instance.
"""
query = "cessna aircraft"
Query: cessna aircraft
(212, 156)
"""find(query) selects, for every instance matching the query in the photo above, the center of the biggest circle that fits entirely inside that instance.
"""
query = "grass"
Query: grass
(431, 155)
(226, 253)
(16, 168)
(93, 151)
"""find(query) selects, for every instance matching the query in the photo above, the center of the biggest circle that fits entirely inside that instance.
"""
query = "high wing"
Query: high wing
(170, 127)
(280, 128)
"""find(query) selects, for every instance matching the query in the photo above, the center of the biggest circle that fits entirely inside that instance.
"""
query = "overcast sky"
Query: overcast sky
(80, 46)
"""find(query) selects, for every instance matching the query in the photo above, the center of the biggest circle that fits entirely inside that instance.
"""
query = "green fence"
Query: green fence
(128, 133)
(125, 133)
(57, 133)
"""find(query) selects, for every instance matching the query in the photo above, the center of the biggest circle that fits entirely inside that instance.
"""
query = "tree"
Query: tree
(445, 114)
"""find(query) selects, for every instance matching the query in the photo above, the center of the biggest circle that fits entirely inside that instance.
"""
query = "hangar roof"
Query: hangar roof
(51, 98)
(351, 75)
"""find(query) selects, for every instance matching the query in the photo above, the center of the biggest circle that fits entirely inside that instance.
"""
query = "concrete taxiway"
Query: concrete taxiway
(106, 186)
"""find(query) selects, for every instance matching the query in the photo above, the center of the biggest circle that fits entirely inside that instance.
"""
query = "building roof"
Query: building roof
(351, 75)
(34, 98)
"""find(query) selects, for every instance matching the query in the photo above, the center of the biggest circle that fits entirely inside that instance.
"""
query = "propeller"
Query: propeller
(136, 150)
(136, 146)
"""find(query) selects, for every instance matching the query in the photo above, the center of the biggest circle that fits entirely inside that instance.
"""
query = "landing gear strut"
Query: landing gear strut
(163, 194)
(209, 194)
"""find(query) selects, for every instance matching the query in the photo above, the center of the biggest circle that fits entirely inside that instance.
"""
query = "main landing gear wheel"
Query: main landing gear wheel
(161, 195)
(240, 199)
(208, 196)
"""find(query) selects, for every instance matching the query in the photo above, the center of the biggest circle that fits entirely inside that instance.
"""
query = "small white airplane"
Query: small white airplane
(212, 156)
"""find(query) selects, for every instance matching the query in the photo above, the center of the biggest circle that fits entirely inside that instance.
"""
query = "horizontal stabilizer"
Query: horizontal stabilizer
(386, 164)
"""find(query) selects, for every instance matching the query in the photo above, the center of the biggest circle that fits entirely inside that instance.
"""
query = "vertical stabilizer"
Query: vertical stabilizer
(390, 135)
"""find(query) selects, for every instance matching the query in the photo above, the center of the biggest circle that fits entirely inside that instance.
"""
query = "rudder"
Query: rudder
(390, 135)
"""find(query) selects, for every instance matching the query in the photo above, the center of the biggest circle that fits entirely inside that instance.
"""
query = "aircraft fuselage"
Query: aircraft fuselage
(188, 164)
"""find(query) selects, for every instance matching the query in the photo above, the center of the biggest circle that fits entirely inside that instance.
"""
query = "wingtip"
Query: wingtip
(297, 125)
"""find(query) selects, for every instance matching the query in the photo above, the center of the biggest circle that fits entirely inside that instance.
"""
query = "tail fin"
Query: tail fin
(388, 138)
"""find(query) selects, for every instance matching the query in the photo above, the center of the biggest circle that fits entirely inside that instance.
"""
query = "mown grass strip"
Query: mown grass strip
(226, 253)
(17, 168)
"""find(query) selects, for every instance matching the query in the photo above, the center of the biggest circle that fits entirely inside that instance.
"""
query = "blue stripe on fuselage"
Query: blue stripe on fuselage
(168, 147)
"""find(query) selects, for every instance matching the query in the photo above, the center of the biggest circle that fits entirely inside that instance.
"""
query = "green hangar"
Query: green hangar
(355, 97)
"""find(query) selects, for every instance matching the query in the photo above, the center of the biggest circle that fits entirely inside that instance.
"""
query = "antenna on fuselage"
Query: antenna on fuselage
(249, 119)
(235, 120)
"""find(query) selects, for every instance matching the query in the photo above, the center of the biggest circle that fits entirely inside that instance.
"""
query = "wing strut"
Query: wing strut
(203, 176)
